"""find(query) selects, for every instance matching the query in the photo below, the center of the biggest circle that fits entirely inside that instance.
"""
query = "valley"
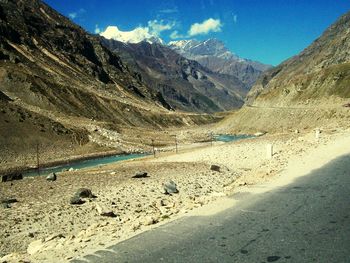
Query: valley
(69, 95)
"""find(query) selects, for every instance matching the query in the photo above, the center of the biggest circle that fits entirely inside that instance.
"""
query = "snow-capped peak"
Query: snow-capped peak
(137, 35)
(210, 47)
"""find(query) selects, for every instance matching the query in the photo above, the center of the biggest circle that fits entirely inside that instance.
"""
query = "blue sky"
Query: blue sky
(269, 31)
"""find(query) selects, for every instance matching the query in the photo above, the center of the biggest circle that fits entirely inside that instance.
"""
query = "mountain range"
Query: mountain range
(185, 84)
(213, 55)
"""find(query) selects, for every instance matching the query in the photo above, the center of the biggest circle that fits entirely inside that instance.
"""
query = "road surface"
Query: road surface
(305, 221)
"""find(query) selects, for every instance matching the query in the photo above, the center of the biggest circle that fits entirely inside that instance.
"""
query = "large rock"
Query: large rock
(170, 187)
(51, 177)
(11, 177)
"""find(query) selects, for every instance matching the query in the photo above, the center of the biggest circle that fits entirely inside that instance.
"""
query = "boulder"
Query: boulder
(51, 177)
(141, 175)
(170, 187)
(215, 168)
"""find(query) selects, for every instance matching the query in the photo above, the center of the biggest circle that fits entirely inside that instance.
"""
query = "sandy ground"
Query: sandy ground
(44, 227)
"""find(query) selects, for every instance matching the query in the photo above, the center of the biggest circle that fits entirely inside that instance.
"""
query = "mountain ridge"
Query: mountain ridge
(213, 54)
(184, 83)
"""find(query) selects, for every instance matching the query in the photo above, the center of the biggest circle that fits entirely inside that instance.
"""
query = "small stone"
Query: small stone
(54, 236)
(35, 246)
(141, 175)
(6, 203)
(51, 177)
(258, 134)
(84, 193)
(108, 214)
(170, 187)
(215, 168)
(151, 221)
(102, 211)
(71, 169)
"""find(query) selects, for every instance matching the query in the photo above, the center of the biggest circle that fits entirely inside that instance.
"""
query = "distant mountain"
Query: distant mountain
(184, 83)
(213, 54)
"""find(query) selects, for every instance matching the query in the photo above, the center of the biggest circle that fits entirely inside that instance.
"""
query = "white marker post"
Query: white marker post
(317, 134)
(269, 151)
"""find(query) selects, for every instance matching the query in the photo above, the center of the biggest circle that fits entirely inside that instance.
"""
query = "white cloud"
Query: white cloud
(97, 29)
(207, 26)
(235, 18)
(72, 15)
(149, 33)
(157, 27)
(175, 35)
(79, 13)
(169, 10)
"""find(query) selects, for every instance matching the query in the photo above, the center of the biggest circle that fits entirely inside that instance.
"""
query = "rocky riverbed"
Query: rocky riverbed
(43, 225)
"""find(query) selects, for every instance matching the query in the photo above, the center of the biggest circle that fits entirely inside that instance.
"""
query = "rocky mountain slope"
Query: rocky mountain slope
(61, 88)
(184, 84)
(213, 54)
(320, 71)
(308, 90)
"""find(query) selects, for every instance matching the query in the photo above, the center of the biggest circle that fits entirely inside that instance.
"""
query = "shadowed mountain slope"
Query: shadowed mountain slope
(184, 83)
